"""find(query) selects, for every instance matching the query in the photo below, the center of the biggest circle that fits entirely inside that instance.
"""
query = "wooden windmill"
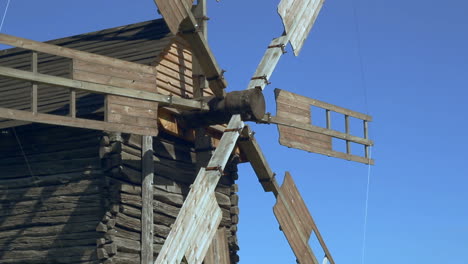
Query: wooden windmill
(197, 221)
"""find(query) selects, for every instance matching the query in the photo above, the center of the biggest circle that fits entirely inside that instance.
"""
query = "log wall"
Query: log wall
(51, 204)
(174, 172)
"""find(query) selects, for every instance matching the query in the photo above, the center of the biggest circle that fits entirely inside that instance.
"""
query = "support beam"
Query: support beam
(72, 54)
(147, 233)
(164, 100)
(251, 149)
(197, 222)
(73, 122)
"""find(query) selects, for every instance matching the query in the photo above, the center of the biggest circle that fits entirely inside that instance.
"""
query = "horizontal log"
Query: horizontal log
(71, 53)
(42, 231)
(102, 89)
(51, 217)
(46, 180)
(45, 243)
(60, 255)
(73, 122)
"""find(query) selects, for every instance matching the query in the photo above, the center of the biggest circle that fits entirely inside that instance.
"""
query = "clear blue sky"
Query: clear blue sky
(415, 67)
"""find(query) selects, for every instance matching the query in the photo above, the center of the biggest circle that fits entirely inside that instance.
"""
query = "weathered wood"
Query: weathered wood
(297, 223)
(147, 200)
(291, 98)
(199, 202)
(71, 53)
(74, 122)
(34, 85)
(268, 63)
(298, 18)
(254, 154)
(101, 89)
(219, 251)
(294, 222)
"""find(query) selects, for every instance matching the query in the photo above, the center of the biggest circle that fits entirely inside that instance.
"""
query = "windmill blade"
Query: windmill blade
(298, 18)
(290, 210)
(296, 130)
(200, 215)
(297, 223)
(179, 18)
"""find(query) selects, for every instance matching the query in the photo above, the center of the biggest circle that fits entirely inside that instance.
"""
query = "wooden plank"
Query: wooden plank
(298, 137)
(202, 51)
(268, 63)
(294, 221)
(74, 122)
(327, 152)
(298, 18)
(249, 146)
(198, 200)
(147, 234)
(299, 209)
(102, 89)
(71, 53)
(292, 98)
(174, 12)
(34, 85)
(218, 253)
(336, 134)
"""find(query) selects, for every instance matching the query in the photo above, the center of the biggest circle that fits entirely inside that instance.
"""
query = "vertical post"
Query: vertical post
(348, 143)
(147, 170)
(327, 112)
(34, 67)
(72, 103)
(72, 109)
(366, 136)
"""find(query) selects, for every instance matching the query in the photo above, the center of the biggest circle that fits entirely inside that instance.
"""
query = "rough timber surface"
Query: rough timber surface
(147, 43)
(49, 211)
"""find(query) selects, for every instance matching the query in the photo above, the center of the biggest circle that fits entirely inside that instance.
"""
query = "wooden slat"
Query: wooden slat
(34, 85)
(268, 63)
(298, 18)
(182, 235)
(294, 222)
(292, 98)
(71, 53)
(147, 172)
(255, 156)
(101, 89)
(74, 122)
(321, 130)
(218, 253)
(174, 12)
(297, 222)
(297, 137)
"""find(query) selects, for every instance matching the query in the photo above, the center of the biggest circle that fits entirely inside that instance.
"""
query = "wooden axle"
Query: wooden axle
(250, 104)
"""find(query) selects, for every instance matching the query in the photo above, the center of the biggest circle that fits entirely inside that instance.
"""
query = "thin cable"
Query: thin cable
(361, 62)
(24, 155)
(4, 15)
(364, 236)
(364, 86)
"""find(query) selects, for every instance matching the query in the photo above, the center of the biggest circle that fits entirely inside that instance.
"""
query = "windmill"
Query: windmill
(197, 222)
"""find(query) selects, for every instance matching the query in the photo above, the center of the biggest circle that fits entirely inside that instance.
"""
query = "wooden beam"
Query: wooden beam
(291, 98)
(74, 122)
(147, 234)
(204, 55)
(164, 100)
(254, 154)
(73, 54)
(218, 253)
(34, 85)
(194, 229)
(291, 123)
